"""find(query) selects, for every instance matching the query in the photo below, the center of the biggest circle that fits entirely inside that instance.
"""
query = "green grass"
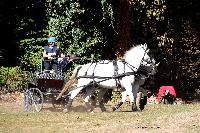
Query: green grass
(153, 119)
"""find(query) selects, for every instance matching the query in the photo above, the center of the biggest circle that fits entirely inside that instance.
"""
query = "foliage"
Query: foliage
(116, 95)
(76, 24)
(178, 44)
(103, 29)
(172, 35)
(13, 79)
(33, 53)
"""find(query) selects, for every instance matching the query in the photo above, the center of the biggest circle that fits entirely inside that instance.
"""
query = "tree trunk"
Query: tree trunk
(123, 39)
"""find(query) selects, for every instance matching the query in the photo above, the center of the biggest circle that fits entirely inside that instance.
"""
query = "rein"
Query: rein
(104, 78)
(113, 77)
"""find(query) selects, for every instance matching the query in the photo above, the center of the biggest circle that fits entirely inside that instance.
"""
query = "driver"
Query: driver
(50, 53)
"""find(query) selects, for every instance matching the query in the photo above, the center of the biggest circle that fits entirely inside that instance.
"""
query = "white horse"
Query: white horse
(106, 75)
(146, 69)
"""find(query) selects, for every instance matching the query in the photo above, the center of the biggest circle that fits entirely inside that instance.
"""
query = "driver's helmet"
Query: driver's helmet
(51, 39)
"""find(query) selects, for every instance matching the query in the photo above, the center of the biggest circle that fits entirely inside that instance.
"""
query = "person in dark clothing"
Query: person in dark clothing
(50, 54)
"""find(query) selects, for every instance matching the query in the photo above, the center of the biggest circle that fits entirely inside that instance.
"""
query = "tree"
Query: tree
(105, 29)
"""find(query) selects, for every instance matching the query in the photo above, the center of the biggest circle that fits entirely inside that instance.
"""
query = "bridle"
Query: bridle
(147, 61)
(150, 62)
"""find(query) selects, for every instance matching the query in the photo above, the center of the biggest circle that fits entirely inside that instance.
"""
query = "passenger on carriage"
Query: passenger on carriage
(65, 61)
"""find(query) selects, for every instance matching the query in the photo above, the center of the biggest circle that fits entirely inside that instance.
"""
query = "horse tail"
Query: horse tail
(70, 82)
(75, 72)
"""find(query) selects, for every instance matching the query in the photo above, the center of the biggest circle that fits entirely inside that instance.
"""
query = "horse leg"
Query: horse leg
(141, 98)
(101, 93)
(133, 96)
(132, 100)
(93, 100)
(130, 90)
(87, 98)
(119, 104)
(68, 105)
(72, 94)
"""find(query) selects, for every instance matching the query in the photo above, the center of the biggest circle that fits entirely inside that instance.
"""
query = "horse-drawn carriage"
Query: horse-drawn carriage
(44, 86)
(106, 75)
(127, 73)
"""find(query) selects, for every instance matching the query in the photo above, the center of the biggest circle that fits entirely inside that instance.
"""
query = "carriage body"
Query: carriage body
(44, 86)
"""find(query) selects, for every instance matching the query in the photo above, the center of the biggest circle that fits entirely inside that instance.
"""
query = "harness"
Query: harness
(116, 76)
(118, 84)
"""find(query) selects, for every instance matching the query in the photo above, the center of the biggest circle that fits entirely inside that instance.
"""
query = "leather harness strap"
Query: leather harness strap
(116, 68)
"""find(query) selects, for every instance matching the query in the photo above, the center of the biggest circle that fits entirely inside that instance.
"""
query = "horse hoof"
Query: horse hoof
(134, 110)
(103, 109)
(92, 112)
(141, 108)
(114, 109)
(90, 109)
(66, 110)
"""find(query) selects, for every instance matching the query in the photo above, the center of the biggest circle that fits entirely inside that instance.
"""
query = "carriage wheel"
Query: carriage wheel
(33, 100)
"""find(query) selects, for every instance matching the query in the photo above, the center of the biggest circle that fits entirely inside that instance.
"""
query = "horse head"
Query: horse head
(149, 62)
(136, 55)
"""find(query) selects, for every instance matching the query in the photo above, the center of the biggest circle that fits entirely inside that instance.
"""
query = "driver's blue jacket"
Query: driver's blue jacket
(47, 49)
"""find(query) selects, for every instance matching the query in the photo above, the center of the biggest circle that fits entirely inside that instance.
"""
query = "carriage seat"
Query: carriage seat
(51, 74)
(61, 65)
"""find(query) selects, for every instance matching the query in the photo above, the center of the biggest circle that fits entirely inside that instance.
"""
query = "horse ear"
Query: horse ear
(145, 45)
(157, 63)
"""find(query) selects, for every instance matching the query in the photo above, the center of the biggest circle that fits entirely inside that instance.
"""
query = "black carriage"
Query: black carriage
(44, 86)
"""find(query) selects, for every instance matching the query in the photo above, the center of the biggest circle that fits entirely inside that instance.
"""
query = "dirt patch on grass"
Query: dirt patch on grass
(14, 102)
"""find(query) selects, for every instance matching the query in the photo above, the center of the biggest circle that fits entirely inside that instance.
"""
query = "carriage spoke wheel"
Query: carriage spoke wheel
(33, 100)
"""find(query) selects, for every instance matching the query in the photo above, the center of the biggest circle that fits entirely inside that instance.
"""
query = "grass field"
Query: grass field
(155, 118)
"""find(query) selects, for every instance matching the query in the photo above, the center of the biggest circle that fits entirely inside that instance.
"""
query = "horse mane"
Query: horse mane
(135, 53)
